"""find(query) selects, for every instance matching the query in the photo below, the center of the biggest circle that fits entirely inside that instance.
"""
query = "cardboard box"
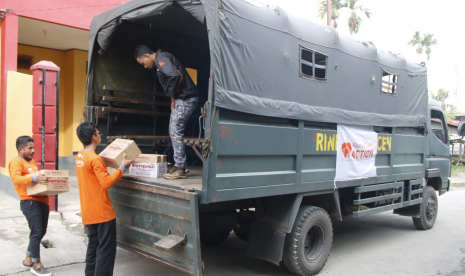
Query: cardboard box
(113, 154)
(150, 158)
(148, 169)
(58, 182)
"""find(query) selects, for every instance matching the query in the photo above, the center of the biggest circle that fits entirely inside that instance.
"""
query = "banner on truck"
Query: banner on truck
(356, 152)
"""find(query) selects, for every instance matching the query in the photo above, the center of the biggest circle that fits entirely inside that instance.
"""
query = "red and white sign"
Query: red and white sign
(356, 152)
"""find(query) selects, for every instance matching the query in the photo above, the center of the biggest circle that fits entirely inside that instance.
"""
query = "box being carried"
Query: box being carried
(148, 169)
(150, 158)
(113, 154)
(58, 182)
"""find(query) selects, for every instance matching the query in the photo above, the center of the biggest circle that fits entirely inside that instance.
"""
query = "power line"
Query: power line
(91, 6)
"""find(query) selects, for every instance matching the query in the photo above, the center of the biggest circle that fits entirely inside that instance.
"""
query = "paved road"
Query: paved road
(383, 244)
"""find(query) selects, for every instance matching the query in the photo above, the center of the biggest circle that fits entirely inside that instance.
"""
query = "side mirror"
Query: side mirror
(461, 129)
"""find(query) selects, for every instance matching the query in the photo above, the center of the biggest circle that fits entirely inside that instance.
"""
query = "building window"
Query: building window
(25, 62)
(313, 64)
(389, 83)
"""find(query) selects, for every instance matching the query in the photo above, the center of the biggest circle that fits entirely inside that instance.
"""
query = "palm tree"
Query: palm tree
(355, 20)
(336, 5)
(427, 42)
(416, 41)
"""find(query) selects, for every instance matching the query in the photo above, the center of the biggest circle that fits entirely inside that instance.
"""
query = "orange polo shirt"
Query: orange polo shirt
(19, 168)
(94, 182)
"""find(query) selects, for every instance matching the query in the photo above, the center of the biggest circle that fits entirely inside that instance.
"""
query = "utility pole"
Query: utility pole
(328, 12)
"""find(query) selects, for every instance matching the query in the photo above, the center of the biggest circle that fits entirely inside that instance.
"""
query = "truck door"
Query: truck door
(439, 156)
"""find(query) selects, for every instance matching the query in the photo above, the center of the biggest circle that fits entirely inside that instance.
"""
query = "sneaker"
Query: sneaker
(172, 170)
(177, 174)
(29, 266)
(41, 271)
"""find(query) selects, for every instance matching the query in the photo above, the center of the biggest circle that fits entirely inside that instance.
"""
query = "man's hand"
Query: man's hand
(173, 103)
(42, 179)
(127, 163)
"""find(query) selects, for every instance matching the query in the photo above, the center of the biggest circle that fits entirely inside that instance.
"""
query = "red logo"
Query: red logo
(346, 149)
(161, 63)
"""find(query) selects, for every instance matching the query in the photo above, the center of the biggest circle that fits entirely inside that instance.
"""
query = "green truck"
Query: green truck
(296, 127)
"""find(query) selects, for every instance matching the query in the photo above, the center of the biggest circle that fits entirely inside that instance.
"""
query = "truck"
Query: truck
(296, 127)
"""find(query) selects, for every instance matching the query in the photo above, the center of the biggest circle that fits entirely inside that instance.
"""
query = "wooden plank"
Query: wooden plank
(128, 90)
(140, 137)
(134, 101)
(134, 111)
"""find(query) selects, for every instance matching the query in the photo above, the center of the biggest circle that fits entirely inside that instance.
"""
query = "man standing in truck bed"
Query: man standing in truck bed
(179, 86)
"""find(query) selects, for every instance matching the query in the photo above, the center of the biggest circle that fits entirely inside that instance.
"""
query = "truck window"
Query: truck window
(389, 83)
(438, 125)
(312, 64)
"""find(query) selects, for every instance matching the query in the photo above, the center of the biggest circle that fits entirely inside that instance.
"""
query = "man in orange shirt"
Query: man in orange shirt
(96, 208)
(34, 208)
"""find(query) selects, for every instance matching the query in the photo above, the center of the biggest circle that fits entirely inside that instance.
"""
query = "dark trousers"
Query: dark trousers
(36, 214)
(101, 250)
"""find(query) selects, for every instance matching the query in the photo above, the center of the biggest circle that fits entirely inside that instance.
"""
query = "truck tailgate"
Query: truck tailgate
(159, 223)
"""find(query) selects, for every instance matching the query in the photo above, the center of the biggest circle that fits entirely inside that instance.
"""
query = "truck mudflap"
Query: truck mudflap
(159, 223)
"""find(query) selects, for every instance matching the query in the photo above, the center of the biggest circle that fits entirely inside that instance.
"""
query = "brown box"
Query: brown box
(58, 182)
(113, 154)
(150, 158)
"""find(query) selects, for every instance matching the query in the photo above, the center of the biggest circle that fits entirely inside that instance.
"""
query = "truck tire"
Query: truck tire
(213, 238)
(428, 210)
(307, 246)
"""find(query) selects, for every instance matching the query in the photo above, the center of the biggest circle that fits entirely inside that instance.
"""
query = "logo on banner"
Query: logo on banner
(346, 149)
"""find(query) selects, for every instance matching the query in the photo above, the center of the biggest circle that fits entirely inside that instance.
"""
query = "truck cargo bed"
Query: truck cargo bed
(193, 181)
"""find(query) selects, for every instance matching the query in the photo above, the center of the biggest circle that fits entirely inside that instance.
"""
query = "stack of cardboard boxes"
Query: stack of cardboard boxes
(145, 165)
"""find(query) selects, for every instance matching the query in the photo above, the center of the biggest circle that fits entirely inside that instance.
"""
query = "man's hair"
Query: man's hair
(142, 50)
(22, 141)
(85, 131)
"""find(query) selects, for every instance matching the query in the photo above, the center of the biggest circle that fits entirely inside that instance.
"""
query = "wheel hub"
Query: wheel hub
(431, 208)
(314, 242)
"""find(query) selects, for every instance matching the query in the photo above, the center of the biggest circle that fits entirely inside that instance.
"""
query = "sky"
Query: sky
(392, 25)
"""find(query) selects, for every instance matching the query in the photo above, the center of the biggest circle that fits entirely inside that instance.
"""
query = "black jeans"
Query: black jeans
(101, 250)
(36, 214)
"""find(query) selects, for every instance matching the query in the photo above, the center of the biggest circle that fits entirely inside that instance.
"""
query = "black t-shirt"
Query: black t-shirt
(173, 77)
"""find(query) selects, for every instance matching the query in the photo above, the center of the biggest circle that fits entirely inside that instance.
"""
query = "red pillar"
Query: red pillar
(45, 93)
(9, 57)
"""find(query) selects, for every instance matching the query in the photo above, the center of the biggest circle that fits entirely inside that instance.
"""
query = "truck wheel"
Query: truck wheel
(213, 238)
(428, 210)
(307, 247)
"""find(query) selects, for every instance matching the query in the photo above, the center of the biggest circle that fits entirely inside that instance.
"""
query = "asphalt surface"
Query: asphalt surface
(382, 244)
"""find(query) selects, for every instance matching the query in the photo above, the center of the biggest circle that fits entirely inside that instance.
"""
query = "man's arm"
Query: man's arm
(17, 178)
(105, 180)
(172, 77)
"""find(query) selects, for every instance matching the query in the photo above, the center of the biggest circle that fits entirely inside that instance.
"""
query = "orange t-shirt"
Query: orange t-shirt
(94, 182)
(19, 168)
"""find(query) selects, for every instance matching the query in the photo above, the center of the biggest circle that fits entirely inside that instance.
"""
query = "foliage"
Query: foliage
(354, 20)
(441, 96)
(426, 42)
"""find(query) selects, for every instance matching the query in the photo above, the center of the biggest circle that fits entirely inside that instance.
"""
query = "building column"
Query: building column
(9, 59)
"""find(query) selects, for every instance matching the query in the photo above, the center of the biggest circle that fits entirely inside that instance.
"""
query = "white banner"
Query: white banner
(356, 152)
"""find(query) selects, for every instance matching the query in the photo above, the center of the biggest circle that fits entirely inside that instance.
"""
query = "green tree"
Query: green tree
(416, 42)
(426, 42)
(441, 96)
(336, 5)
(354, 21)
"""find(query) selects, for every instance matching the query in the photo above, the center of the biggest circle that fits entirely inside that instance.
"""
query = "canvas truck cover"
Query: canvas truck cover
(256, 64)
